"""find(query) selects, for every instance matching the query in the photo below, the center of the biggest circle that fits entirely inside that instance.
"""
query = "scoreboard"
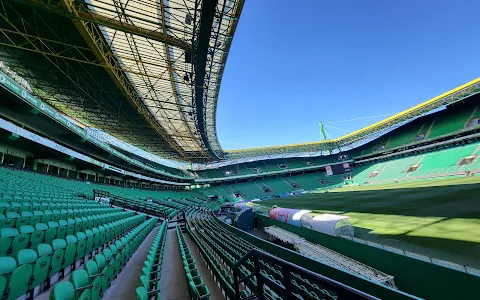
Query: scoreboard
(337, 169)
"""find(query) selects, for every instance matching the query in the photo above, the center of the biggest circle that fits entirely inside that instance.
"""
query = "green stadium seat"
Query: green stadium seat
(141, 294)
(98, 280)
(81, 283)
(4, 207)
(63, 291)
(70, 251)
(17, 277)
(47, 216)
(81, 245)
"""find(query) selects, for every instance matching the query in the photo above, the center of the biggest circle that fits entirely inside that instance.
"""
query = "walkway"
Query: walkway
(127, 281)
(215, 292)
(173, 284)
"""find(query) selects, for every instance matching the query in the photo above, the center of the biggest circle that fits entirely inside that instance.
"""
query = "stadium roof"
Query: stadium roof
(146, 72)
(351, 139)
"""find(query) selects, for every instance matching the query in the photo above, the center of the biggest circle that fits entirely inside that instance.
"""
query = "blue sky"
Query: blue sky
(294, 64)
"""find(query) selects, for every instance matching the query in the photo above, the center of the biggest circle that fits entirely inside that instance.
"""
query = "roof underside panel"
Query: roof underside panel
(63, 70)
(127, 67)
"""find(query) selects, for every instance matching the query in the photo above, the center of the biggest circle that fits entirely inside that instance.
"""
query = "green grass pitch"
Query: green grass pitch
(440, 218)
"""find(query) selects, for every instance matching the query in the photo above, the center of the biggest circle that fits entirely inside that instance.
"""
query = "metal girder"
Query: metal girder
(94, 38)
(61, 54)
(220, 55)
(80, 12)
(203, 39)
(66, 69)
(172, 81)
(76, 78)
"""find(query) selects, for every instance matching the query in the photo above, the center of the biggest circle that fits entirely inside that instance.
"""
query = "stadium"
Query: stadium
(114, 184)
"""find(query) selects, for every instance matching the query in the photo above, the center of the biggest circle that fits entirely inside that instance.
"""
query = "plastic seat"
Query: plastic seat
(62, 229)
(24, 219)
(36, 218)
(150, 286)
(141, 294)
(81, 245)
(29, 230)
(17, 282)
(63, 291)
(39, 235)
(99, 281)
(40, 264)
(12, 240)
(90, 241)
(55, 215)
(58, 246)
(4, 207)
(51, 233)
(6, 222)
(6, 238)
(12, 215)
(16, 206)
(78, 224)
(47, 216)
(71, 226)
(80, 282)
(70, 251)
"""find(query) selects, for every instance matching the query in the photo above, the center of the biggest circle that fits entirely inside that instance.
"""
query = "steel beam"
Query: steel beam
(174, 87)
(82, 13)
(94, 38)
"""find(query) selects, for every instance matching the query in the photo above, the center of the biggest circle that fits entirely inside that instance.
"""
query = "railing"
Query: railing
(444, 263)
(287, 269)
(130, 204)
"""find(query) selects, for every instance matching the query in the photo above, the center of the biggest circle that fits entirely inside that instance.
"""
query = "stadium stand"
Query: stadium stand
(434, 164)
(223, 250)
(151, 272)
(68, 229)
(77, 203)
(196, 285)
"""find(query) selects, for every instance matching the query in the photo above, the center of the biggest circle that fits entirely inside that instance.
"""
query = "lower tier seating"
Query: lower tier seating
(30, 269)
(98, 274)
(152, 269)
(196, 286)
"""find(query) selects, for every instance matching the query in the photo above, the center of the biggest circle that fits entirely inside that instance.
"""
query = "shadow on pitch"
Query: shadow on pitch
(449, 201)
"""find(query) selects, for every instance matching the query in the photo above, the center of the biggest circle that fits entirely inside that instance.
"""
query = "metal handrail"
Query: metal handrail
(161, 212)
(342, 290)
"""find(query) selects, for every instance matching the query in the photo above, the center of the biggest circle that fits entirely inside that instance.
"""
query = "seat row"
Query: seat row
(30, 271)
(144, 206)
(152, 267)
(92, 282)
(12, 239)
(196, 286)
(13, 219)
(18, 207)
(220, 266)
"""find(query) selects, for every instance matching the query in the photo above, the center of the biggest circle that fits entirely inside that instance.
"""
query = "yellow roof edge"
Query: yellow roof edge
(280, 147)
(411, 109)
(475, 81)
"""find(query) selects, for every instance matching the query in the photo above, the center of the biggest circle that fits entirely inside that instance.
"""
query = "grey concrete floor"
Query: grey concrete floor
(127, 281)
(173, 284)
(215, 292)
